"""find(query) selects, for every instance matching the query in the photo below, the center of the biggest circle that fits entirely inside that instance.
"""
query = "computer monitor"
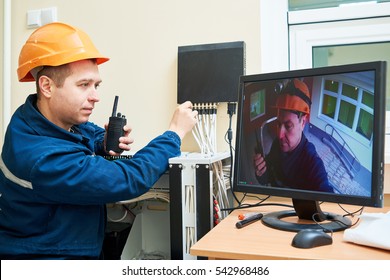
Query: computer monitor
(312, 135)
(209, 73)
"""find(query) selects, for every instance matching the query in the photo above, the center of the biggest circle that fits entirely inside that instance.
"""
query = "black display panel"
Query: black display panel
(210, 73)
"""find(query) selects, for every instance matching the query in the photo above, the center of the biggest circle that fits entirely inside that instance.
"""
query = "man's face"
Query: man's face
(290, 129)
(73, 102)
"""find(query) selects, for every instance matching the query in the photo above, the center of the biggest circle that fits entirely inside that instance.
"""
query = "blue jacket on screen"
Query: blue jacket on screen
(54, 185)
(301, 168)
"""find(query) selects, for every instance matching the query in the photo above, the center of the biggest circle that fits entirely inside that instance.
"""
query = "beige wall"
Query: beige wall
(141, 38)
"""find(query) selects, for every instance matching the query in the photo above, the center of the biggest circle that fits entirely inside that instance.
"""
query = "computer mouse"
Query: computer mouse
(311, 238)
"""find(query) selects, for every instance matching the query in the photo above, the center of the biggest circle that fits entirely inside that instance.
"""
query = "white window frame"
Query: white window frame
(357, 103)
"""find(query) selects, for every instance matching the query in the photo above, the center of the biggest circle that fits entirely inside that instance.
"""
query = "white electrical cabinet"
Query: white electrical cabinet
(191, 200)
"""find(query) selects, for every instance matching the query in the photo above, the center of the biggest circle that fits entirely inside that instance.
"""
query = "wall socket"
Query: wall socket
(37, 18)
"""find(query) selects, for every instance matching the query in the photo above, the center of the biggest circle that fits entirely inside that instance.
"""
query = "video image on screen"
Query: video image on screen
(314, 134)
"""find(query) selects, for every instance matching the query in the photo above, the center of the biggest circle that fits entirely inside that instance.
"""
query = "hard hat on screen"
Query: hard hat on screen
(55, 44)
(294, 97)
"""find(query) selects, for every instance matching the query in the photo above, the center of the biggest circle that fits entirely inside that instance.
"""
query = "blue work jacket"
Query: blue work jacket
(301, 168)
(54, 185)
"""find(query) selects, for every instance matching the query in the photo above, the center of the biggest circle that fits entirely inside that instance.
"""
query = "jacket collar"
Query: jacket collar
(44, 127)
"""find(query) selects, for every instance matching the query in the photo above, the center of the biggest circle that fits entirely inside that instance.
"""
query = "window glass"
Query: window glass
(350, 91)
(332, 86)
(346, 113)
(365, 124)
(349, 106)
(329, 106)
(368, 99)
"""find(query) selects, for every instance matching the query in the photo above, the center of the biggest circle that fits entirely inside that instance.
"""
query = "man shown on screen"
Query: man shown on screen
(292, 161)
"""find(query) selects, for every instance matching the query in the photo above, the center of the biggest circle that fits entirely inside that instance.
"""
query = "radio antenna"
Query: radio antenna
(115, 106)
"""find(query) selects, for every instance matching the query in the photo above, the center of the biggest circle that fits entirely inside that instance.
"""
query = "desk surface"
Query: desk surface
(257, 241)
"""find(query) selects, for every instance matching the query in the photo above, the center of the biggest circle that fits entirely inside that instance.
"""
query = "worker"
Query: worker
(292, 161)
(55, 181)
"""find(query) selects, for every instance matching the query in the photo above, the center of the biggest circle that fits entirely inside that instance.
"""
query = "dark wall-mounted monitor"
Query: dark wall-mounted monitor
(313, 135)
(210, 73)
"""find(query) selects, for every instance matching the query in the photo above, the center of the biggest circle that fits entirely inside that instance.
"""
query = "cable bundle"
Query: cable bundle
(220, 187)
(205, 134)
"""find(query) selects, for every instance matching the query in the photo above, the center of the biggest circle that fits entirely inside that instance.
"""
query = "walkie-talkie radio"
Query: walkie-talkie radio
(115, 129)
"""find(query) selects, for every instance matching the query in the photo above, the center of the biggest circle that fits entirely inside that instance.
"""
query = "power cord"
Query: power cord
(231, 110)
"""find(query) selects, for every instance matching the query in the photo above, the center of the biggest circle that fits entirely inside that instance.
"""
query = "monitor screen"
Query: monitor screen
(210, 73)
(312, 135)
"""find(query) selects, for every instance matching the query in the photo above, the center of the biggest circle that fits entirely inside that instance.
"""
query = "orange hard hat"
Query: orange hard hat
(55, 44)
(295, 97)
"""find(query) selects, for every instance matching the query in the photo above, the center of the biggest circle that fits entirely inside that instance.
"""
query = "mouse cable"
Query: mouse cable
(313, 217)
(352, 214)
(348, 213)
(344, 224)
(333, 220)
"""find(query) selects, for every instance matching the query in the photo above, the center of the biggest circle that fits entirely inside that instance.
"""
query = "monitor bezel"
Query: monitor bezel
(376, 198)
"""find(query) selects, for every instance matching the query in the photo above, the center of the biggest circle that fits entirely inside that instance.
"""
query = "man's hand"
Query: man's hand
(124, 142)
(184, 119)
(260, 165)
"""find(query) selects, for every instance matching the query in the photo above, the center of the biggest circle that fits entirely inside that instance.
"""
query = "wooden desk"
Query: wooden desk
(257, 241)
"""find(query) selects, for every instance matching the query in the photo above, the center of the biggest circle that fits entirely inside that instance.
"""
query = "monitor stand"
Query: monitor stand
(306, 210)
